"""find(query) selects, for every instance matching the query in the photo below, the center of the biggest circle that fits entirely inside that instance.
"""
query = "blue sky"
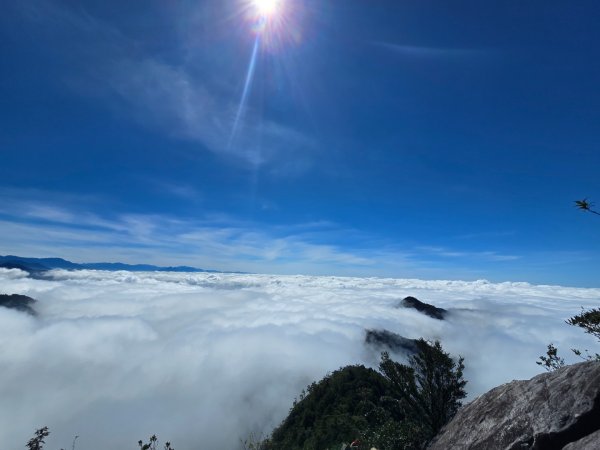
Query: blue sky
(377, 138)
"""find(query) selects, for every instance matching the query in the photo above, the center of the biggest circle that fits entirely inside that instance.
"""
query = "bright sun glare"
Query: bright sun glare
(266, 8)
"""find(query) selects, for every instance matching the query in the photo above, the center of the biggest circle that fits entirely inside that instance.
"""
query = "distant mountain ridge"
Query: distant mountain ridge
(36, 265)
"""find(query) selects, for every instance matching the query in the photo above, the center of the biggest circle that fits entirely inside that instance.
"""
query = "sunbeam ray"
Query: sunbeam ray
(247, 85)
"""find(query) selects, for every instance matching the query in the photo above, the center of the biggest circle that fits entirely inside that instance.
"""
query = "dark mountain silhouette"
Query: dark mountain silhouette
(22, 265)
(387, 340)
(18, 302)
(38, 265)
(425, 308)
(140, 267)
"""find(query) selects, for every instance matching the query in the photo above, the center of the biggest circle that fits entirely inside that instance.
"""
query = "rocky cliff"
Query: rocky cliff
(553, 410)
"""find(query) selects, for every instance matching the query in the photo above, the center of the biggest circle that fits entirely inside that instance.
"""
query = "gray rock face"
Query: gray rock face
(590, 442)
(550, 411)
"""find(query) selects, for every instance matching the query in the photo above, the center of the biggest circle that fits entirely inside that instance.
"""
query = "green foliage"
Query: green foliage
(401, 407)
(37, 441)
(393, 434)
(153, 444)
(551, 361)
(426, 393)
(337, 409)
(590, 322)
(255, 442)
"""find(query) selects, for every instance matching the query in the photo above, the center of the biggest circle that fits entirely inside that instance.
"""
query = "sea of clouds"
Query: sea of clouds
(204, 359)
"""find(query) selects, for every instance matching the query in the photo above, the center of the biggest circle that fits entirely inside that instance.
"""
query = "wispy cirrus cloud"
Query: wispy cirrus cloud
(221, 242)
(164, 94)
(428, 52)
(174, 189)
(169, 97)
(486, 235)
(473, 255)
(71, 226)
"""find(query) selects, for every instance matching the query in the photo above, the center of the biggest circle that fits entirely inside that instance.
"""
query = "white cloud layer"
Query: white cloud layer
(203, 359)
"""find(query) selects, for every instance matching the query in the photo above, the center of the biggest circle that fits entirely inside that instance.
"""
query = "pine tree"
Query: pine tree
(427, 392)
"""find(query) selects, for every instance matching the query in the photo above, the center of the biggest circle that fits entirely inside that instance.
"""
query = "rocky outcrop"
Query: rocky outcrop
(425, 308)
(590, 442)
(555, 410)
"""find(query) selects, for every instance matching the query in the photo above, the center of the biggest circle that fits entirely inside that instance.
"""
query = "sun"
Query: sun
(274, 23)
(266, 8)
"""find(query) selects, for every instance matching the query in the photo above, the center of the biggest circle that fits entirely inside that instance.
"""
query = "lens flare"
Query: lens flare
(247, 86)
(274, 24)
(266, 8)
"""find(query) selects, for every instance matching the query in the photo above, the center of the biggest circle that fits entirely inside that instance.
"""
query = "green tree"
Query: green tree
(37, 441)
(336, 409)
(399, 407)
(588, 320)
(427, 392)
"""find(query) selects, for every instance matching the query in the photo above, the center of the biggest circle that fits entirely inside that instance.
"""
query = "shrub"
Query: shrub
(551, 361)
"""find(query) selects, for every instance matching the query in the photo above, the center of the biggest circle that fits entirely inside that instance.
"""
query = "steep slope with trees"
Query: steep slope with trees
(399, 407)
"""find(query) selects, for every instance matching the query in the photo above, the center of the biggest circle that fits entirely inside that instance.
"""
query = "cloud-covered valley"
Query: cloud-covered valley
(204, 359)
